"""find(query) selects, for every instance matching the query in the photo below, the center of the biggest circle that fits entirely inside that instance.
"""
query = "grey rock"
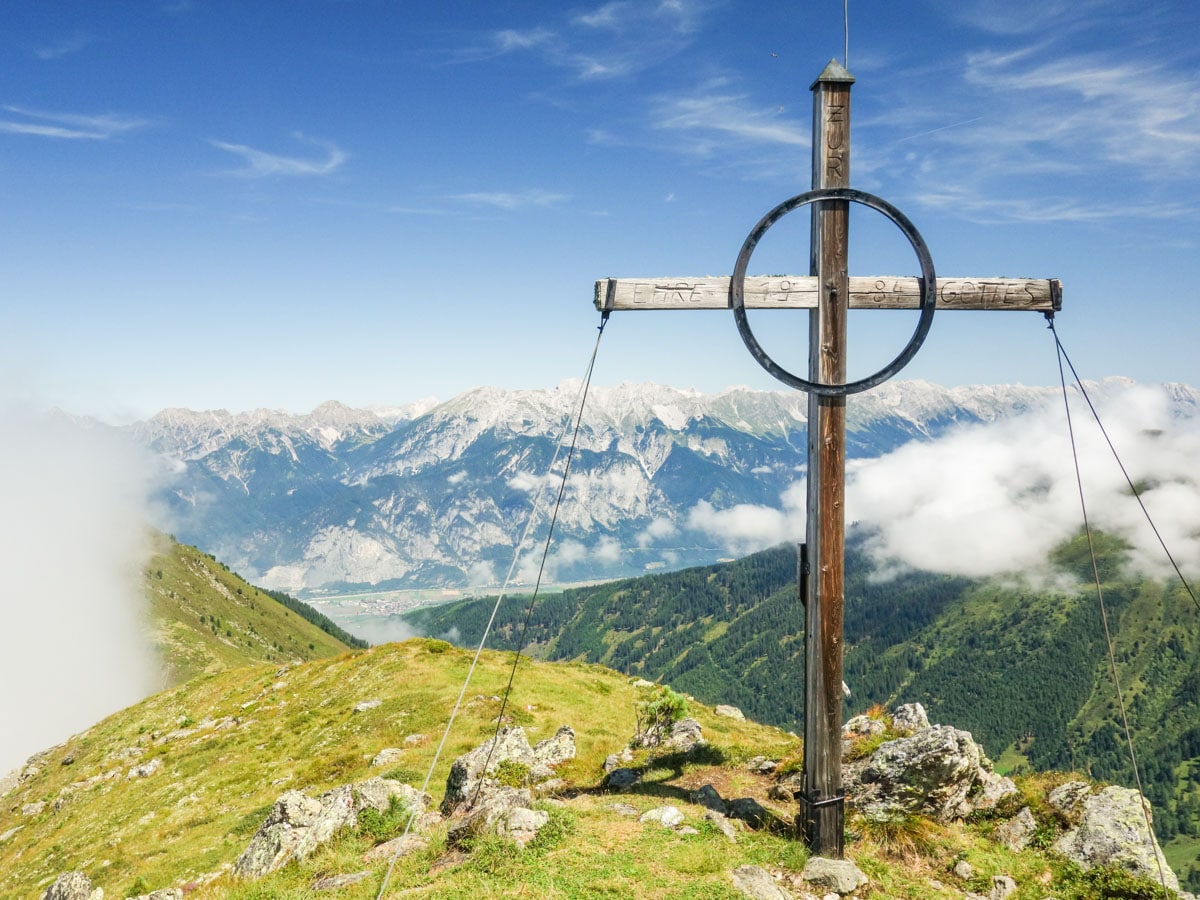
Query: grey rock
(396, 847)
(729, 712)
(642, 683)
(749, 811)
(909, 718)
(938, 771)
(686, 829)
(387, 756)
(415, 740)
(33, 809)
(781, 793)
(722, 823)
(73, 886)
(163, 894)
(1003, 887)
(294, 828)
(666, 816)
(762, 766)
(558, 749)
(686, 735)
(468, 779)
(502, 810)
(377, 793)
(468, 771)
(551, 787)
(964, 870)
(708, 797)
(1068, 798)
(365, 705)
(789, 787)
(863, 726)
(838, 875)
(625, 809)
(145, 770)
(1112, 829)
(756, 883)
(621, 779)
(1016, 833)
(615, 760)
(990, 788)
(334, 882)
(522, 824)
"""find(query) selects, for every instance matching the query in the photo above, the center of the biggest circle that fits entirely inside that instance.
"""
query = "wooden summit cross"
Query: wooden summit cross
(828, 292)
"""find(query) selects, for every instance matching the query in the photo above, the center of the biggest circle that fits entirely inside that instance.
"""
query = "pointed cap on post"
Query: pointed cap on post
(835, 71)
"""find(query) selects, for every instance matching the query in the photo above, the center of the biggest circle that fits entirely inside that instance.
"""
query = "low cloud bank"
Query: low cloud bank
(995, 499)
(72, 543)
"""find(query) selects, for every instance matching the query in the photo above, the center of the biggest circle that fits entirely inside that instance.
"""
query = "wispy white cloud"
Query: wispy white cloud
(1035, 17)
(1116, 111)
(976, 206)
(511, 39)
(713, 116)
(514, 200)
(609, 16)
(613, 40)
(1032, 133)
(63, 47)
(66, 126)
(260, 164)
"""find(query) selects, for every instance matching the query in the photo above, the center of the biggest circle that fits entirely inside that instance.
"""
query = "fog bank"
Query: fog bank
(994, 499)
(72, 544)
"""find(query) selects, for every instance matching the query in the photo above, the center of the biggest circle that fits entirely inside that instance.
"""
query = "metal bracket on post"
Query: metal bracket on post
(807, 820)
(802, 572)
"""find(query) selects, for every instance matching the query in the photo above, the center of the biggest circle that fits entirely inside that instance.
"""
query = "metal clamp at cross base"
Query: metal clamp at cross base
(828, 292)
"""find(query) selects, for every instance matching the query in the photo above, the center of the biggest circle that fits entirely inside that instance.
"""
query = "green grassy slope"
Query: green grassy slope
(230, 742)
(204, 617)
(1025, 670)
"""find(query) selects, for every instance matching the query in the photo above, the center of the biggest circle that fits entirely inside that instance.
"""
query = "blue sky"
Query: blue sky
(274, 204)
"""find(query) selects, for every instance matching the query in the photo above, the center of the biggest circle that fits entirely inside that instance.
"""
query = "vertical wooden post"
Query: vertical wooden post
(822, 805)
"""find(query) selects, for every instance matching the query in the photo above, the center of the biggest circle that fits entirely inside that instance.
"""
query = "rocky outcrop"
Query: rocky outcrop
(73, 886)
(937, 771)
(756, 883)
(503, 811)
(838, 875)
(479, 803)
(1112, 829)
(686, 735)
(1017, 832)
(298, 824)
(473, 773)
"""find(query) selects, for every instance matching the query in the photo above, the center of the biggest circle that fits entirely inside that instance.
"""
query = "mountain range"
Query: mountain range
(438, 494)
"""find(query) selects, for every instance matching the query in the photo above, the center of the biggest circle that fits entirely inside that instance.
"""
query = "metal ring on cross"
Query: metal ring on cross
(928, 282)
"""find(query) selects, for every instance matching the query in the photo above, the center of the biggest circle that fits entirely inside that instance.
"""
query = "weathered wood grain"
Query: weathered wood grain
(800, 292)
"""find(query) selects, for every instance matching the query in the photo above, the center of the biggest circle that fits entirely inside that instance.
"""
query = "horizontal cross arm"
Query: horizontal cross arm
(800, 292)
